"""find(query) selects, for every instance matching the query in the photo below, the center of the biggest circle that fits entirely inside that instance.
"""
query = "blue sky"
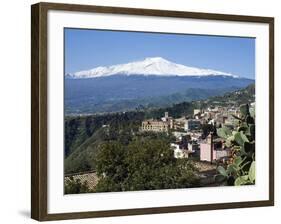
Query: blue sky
(87, 49)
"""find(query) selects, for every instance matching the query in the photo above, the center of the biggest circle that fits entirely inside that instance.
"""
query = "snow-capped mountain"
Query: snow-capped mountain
(149, 66)
(150, 82)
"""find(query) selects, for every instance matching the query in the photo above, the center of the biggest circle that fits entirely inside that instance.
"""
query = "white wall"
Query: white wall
(15, 110)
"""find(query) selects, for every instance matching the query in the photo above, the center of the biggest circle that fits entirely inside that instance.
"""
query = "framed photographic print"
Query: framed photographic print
(139, 111)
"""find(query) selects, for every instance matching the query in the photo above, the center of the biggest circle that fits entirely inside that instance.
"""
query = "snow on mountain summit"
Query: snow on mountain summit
(149, 66)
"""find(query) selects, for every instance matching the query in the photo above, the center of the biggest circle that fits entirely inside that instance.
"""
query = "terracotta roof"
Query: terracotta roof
(91, 178)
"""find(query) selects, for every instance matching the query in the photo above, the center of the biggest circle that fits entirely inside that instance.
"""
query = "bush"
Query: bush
(145, 164)
(72, 186)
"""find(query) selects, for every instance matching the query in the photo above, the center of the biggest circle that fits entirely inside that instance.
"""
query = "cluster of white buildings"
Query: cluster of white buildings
(218, 115)
(188, 132)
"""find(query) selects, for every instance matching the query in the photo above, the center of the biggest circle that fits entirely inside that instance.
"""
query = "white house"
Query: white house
(179, 153)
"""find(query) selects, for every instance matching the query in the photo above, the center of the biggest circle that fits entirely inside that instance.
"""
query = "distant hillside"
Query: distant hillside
(83, 135)
(123, 93)
(238, 97)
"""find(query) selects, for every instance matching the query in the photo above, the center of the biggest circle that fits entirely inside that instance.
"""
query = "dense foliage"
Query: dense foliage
(85, 134)
(147, 163)
(72, 186)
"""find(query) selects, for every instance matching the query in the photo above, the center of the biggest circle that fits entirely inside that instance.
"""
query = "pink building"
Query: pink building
(212, 150)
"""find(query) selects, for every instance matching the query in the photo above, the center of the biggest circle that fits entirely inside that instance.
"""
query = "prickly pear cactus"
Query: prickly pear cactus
(241, 169)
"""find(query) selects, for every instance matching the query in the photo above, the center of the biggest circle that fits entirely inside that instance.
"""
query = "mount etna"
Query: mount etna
(152, 82)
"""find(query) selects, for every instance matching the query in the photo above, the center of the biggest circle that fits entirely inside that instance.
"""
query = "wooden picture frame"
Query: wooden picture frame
(39, 109)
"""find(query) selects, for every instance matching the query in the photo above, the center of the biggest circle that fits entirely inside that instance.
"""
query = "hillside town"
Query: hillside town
(191, 140)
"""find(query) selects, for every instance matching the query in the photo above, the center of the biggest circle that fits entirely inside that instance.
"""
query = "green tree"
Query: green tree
(110, 166)
(145, 164)
(207, 128)
(72, 186)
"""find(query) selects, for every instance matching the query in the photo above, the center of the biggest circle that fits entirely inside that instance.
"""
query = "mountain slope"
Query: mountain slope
(238, 97)
(122, 93)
